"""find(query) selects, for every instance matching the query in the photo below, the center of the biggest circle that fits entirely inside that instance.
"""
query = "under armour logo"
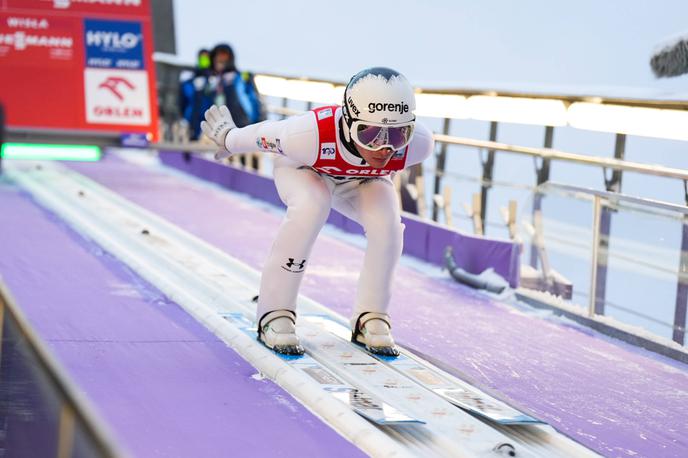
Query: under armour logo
(113, 83)
(291, 263)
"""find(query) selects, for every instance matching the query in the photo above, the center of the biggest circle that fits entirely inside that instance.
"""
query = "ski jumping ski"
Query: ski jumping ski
(456, 391)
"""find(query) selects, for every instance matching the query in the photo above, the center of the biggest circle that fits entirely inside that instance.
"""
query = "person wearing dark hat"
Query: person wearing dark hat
(191, 92)
(220, 83)
(233, 88)
(222, 58)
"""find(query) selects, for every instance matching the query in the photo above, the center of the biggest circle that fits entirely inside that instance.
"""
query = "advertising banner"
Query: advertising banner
(78, 65)
(102, 8)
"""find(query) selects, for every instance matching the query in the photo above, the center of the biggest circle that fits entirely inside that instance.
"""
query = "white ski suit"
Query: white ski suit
(314, 173)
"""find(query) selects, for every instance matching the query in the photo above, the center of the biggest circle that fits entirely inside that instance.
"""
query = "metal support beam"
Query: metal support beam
(543, 169)
(163, 26)
(488, 170)
(542, 166)
(682, 288)
(439, 169)
(66, 428)
(285, 104)
(612, 184)
(604, 228)
(596, 210)
(682, 284)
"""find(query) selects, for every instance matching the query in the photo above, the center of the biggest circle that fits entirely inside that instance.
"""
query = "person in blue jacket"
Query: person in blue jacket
(221, 84)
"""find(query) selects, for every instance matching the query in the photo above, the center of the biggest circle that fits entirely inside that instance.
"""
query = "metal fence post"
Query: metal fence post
(612, 184)
(285, 104)
(682, 284)
(596, 210)
(488, 169)
(542, 175)
(65, 437)
(439, 169)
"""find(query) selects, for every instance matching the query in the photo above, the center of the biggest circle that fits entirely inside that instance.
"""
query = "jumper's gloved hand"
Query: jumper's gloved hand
(218, 122)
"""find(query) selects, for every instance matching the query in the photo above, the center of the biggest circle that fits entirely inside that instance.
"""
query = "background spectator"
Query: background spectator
(203, 62)
(217, 81)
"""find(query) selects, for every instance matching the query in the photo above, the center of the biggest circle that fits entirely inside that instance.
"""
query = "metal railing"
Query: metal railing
(32, 379)
(603, 203)
(614, 197)
(556, 155)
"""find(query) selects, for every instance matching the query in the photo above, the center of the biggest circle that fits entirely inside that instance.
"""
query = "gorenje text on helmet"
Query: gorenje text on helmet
(400, 107)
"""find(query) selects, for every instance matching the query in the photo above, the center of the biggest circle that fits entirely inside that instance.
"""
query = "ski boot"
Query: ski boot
(373, 331)
(277, 331)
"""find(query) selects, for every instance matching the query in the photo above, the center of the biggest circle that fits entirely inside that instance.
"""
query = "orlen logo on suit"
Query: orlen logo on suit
(112, 40)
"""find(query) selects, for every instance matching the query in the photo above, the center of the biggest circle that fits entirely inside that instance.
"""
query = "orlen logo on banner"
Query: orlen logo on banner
(117, 97)
(117, 85)
(113, 44)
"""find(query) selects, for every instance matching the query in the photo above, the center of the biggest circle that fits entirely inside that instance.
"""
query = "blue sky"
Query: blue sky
(527, 43)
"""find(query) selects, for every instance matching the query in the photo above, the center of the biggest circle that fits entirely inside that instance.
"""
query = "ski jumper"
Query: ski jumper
(314, 173)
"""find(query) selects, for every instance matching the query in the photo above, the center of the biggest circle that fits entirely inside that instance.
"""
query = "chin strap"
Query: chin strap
(345, 136)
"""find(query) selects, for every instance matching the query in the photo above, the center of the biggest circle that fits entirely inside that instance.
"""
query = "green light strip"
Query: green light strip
(34, 152)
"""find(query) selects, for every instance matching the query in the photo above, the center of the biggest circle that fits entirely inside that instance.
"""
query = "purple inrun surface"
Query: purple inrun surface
(617, 399)
(164, 383)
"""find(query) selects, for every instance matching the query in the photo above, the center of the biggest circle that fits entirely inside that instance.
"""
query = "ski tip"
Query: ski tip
(384, 352)
(292, 351)
(289, 357)
(287, 352)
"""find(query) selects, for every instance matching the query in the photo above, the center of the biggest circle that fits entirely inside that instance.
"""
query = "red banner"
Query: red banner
(78, 65)
(110, 8)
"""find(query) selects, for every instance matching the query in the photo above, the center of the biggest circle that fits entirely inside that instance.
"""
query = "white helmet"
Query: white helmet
(378, 109)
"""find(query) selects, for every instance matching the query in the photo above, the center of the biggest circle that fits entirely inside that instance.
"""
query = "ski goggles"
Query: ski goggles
(374, 136)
